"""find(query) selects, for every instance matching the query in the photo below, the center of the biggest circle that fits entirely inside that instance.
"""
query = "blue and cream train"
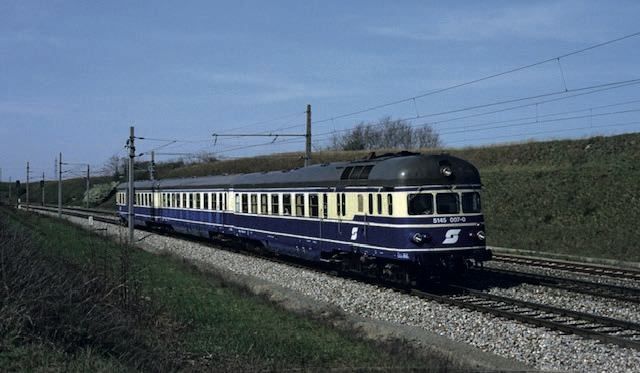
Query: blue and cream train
(399, 216)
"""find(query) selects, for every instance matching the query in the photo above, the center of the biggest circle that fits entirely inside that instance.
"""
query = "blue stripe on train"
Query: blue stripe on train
(307, 237)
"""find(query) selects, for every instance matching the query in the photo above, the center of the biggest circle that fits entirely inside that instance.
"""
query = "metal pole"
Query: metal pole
(42, 188)
(10, 189)
(27, 185)
(87, 193)
(132, 154)
(307, 154)
(152, 166)
(60, 186)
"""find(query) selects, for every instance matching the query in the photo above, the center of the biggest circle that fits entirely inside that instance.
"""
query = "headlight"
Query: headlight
(417, 238)
(446, 171)
(480, 235)
(420, 238)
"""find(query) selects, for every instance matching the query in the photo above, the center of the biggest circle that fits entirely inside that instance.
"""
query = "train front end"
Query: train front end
(443, 225)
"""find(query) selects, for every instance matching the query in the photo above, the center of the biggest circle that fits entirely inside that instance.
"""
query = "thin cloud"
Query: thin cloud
(27, 37)
(261, 88)
(551, 21)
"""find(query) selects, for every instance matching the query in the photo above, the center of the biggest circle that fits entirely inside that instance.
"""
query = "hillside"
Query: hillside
(568, 196)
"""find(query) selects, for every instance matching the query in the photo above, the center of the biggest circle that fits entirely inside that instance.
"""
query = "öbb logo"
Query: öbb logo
(451, 236)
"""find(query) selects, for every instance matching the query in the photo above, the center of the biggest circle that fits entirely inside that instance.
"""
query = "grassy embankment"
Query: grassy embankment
(71, 300)
(577, 197)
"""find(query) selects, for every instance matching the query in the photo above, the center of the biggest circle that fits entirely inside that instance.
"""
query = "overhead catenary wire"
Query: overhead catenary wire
(478, 80)
(478, 128)
(504, 102)
(620, 124)
(538, 116)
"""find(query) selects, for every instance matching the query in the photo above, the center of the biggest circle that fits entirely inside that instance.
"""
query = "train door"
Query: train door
(368, 212)
(152, 204)
(323, 214)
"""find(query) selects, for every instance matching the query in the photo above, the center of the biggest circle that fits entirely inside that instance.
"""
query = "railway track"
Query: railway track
(606, 330)
(621, 293)
(82, 213)
(591, 269)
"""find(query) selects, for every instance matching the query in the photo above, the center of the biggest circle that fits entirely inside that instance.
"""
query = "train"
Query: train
(399, 216)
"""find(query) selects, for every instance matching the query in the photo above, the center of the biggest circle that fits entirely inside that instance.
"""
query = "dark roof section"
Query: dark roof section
(390, 170)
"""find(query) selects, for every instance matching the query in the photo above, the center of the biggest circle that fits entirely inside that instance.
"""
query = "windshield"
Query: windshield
(448, 203)
(420, 204)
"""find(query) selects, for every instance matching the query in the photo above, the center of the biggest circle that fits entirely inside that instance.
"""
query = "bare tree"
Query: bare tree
(386, 133)
(114, 166)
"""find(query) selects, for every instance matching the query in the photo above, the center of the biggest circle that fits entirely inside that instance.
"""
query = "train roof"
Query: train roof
(388, 170)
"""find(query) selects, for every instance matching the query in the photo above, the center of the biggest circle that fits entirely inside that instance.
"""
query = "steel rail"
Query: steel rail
(592, 269)
(622, 293)
(560, 319)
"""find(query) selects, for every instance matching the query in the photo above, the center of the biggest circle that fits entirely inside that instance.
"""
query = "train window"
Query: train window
(370, 204)
(245, 202)
(190, 200)
(196, 203)
(286, 204)
(275, 204)
(313, 205)
(184, 200)
(471, 202)
(343, 204)
(263, 204)
(379, 198)
(214, 201)
(205, 201)
(338, 200)
(346, 173)
(224, 204)
(420, 204)
(447, 203)
(254, 203)
(299, 204)
(365, 172)
(325, 206)
(355, 173)
(238, 209)
(360, 203)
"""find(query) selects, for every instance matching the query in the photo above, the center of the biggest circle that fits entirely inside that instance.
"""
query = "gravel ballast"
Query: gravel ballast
(534, 347)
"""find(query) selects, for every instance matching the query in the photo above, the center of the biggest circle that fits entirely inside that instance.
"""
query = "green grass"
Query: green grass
(214, 325)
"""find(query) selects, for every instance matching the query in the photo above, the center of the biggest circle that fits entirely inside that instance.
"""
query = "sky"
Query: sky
(75, 75)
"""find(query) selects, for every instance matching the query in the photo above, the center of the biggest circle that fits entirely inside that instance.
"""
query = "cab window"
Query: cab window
(420, 204)
(471, 202)
(448, 203)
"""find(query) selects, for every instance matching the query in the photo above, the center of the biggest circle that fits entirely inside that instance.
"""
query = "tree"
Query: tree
(386, 133)
(114, 166)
